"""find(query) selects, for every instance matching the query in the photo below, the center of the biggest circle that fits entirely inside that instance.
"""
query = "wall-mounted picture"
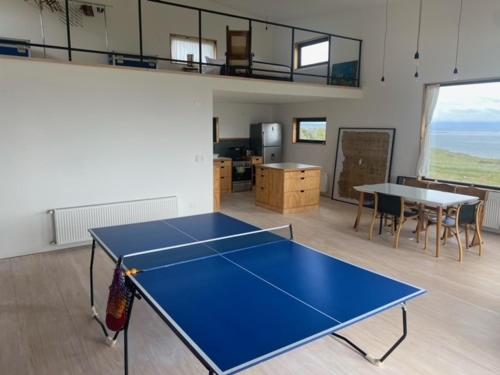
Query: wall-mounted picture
(364, 156)
(345, 74)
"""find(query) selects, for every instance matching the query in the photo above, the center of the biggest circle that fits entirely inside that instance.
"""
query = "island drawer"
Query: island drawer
(301, 198)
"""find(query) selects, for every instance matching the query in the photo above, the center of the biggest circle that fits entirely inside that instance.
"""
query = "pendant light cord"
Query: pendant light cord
(385, 38)
(458, 35)
(419, 29)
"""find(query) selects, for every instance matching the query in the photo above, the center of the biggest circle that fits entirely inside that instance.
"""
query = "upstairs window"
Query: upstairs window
(313, 52)
(181, 46)
(310, 130)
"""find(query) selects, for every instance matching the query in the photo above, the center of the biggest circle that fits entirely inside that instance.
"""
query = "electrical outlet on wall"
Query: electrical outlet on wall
(199, 158)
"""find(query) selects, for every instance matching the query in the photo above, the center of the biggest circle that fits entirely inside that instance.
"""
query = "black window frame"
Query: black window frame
(307, 43)
(297, 122)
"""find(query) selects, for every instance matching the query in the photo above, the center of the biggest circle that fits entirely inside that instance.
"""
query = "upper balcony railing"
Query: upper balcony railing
(277, 49)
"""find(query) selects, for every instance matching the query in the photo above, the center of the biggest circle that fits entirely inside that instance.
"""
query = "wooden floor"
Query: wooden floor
(46, 328)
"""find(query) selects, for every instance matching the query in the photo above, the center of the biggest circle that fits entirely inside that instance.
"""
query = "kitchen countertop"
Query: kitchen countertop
(290, 166)
(222, 158)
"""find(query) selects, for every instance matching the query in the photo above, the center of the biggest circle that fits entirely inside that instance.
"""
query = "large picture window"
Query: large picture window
(310, 130)
(464, 134)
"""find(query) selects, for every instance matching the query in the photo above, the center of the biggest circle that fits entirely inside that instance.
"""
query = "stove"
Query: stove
(242, 175)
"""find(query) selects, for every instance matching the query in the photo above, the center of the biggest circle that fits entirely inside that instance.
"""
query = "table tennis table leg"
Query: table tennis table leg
(125, 333)
(95, 315)
(368, 357)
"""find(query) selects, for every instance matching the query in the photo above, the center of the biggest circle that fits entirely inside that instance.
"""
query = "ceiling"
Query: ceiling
(283, 10)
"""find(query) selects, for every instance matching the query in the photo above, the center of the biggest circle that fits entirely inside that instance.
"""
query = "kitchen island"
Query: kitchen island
(287, 187)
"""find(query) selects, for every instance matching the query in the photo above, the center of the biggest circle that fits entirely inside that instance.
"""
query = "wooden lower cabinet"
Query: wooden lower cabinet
(226, 175)
(217, 191)
(287, 190)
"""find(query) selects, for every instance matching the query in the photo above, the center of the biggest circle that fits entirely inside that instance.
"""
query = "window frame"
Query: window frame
(462, 83)
(296, 130)
(300, 45)
(191, 38)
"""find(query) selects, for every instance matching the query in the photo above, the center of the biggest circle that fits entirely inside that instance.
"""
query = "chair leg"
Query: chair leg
(426, 236)
(467, 236)
(419, 228)
(380, 224)
(460, 248)
(398, 232)
(445, 236)
(372, 224)
(480, 238)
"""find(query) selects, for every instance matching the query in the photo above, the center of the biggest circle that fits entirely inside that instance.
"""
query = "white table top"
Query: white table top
(433, 198)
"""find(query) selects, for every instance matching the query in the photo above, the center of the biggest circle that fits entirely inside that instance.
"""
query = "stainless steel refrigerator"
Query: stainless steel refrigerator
(265, 140)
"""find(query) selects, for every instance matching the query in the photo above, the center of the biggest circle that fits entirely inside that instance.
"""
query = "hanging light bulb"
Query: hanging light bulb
(455, 69)
(382, 80)
(417, 53)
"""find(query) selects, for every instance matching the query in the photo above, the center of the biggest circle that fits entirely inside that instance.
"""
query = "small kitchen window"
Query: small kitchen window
(312, 52)
(309, 130)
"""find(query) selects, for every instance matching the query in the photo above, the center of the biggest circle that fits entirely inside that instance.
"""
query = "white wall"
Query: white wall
(235, 118)
(75, 135)
(398, 104)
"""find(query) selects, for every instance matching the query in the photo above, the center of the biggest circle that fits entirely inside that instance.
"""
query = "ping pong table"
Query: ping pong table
(237, 295)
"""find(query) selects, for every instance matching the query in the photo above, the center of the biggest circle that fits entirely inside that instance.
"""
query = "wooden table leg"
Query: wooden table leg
(438, 229)
(360, 210)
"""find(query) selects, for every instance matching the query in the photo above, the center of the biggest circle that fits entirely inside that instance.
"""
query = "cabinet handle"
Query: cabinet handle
(262, 188)
(262, 175)
(302, 191)
(222, 177)
(302, 178)
(302, 171)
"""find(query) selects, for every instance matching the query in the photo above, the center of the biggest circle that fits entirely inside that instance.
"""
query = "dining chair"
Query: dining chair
(368, 202)
(447, 188)
(466, 216)
(422, 184)
(391, 206)
(482, 194)
(413, 182)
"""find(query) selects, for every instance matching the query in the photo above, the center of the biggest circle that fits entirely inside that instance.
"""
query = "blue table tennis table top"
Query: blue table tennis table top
(237, 308)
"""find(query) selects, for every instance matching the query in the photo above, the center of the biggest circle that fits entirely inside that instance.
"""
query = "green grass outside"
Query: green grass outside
(452, 166)
(313, 134)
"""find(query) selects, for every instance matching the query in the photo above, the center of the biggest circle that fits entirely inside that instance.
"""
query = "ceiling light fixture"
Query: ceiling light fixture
(417, 53)
(455, 70)
(385, 41)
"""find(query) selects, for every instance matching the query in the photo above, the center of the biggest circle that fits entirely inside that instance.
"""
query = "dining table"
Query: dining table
(440, 201)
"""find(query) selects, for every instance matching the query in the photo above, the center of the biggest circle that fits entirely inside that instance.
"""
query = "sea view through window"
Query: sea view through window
(465, 134)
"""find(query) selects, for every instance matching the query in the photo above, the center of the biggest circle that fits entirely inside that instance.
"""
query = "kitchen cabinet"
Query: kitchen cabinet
(217, 191)
(287, 187)
(256, 161)
(226, 174)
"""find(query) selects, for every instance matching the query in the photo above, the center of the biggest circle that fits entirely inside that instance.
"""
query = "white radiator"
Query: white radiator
(71, 224)
(492, 211)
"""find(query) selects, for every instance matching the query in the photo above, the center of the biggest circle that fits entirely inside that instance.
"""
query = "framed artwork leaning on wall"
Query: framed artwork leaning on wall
(364, 156)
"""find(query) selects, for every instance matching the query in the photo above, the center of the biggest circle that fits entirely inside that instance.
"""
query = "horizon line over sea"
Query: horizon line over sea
(480, 139)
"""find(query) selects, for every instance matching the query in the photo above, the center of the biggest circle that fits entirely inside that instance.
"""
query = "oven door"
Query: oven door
(242, 173)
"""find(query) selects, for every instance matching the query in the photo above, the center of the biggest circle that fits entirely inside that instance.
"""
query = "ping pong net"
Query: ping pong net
(170, 256)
